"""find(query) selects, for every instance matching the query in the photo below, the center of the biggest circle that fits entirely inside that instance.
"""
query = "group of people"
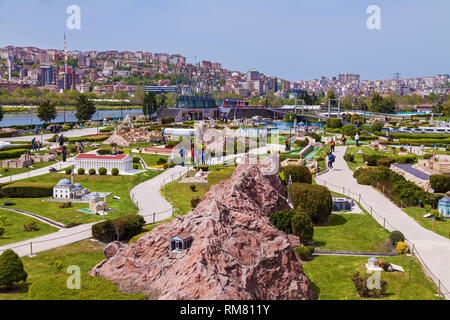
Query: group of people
(36, 145)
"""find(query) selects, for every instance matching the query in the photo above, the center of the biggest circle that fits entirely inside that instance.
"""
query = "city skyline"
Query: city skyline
(280, 58)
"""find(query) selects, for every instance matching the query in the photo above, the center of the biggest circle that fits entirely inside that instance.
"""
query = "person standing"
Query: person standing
(182, 156)
(64, 153)
(33, 144)
(61, 140)
(344, 139)
(332, 144)
(357, 139)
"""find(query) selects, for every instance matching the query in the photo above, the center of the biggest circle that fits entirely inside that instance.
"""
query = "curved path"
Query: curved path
(433, 249)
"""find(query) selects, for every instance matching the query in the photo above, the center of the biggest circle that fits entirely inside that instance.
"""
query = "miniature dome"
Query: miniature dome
(78, 185)
(64, 182)
(445, 200)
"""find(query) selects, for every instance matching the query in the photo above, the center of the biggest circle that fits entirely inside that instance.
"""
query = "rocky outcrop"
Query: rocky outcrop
(236, 252)
(124, 136)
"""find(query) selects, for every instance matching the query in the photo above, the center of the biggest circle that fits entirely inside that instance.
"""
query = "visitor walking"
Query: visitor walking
(38, 145)
(344, 139)
(64, 153)
(61, 140)
(332, 144)
(331, 159)
(33, 144)
(357, 139)
(182, 156)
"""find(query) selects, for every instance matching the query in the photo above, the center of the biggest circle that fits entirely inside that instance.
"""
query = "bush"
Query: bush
(195, 201)
(385, 265)
(92, 172)
(314, 200)
(10, 154)
(122, 228)
(193, 188)
(282, 220)
(31, 227)
(372, 159)
(136, 160)
(410, 158)
(385, 162)
(104, 152)
(362, 289)
(315, 136)
(349, 130)
(81, 171)
(334, 123)
(27, 190)
(377, 126)
(102, 171)
(297, 173)
(203, 167)
(396, 236)
(401, 248)
(11, 269)
(303, 252)
(161, 161)
(440, 183)
(350, 157)
(114, 171)
(302, 227)
(167, 120)
(302, 143)
(66, 205)
(69, 170)
(135, 166)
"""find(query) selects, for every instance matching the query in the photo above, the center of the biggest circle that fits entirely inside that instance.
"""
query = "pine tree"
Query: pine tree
(11, 269)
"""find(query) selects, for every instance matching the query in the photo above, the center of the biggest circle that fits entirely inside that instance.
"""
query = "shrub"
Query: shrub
(302, 143)
(167, 120)
(59, 266)
(315, 136)
(10, 154)
(350, 157)
(440, 182)
(104, 152)
(427, 156)
(372, 159)
(92, 172)
(114, 171)
(81, 171)
(66, 205)
(193, 188)
(27, 190)
(161, 161)
(406, 159)
(401, 248)
(136, 160)
(314, 200)
(31, 227)
(302, 227)
(377, 126)
(203, 167)
(69, 171)
(124, 227)
(102, 171)
(11, 269)
(195, 201)
(2, 231)
(385, 265)
(396, 236)
(334, 123)
(362, 289)
(297, 173)
(135, 166)
(303, 252)
(385, 162)
(349, 130)
(282, 220)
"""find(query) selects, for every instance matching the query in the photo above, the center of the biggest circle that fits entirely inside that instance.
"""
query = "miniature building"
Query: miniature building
(23, 162)
(181, 242)
(342, 204)
(444, 207)
(372, 265)
(440, 163)
(98, 207)
(65, 189)
(122, 162)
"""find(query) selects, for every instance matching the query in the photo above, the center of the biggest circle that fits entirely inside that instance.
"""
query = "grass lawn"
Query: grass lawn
(440, 227)
(330, 277)
(359, 161)
(352, 232)
(118, 185)
(151, 159)
(180, 194)
(14, 227)
(44, 283)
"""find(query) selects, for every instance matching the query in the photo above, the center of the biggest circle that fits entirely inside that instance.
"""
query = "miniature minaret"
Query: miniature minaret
(9, 70)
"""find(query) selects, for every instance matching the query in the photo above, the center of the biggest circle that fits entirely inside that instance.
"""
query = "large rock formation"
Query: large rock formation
(124, 136)
(236, 252)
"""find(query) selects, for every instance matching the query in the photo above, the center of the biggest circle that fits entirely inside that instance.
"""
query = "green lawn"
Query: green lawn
(359, 161)
(330, 277)
(151, 159)
(14, 227)
(44, 284)
(118, 185)
(352, 232)
(440, 227)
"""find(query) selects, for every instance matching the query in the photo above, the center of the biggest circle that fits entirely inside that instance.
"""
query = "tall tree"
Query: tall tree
(11, 269)
(85, 108)
(46, 111)
(150, 104)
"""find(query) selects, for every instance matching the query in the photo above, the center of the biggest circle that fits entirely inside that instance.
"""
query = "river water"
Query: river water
(15, 119)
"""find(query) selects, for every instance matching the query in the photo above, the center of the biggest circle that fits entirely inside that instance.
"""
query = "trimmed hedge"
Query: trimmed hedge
(122, 228)
(102, 171)
(92, 172)
(440, 182)
(350, 157)
(16, 146)
(334, 123)
(89, 139)
(314, 200)
(114, 171)
(385, 162)
(302, 226)
(10, 154)
(282, 220)
(103, 152)
(396, 236)
(298, 174)
(28, 190)
(81, 171)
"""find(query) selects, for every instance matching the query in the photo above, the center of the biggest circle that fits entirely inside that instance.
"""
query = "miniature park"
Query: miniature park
(349, 199)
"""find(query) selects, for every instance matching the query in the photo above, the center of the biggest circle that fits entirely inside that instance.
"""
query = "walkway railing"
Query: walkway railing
(442, 290)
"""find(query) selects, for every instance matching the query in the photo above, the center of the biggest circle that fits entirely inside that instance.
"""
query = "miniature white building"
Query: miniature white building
(87, 161)
(65, 189)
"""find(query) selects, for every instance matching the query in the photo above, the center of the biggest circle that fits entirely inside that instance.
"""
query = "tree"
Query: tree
(46, 111)
(11, 269)
(2, 113)
(302, 226)
(85, 108)
(149, 104)
(289, 118)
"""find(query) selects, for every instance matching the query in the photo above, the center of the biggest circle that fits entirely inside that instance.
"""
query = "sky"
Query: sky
(291, 39)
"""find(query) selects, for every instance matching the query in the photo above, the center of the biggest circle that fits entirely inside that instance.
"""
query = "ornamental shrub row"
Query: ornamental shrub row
(27, 190)
(12, 153)
(334, 123)
(297, 173)
(440, 182)
(122, 228)
(314, 200)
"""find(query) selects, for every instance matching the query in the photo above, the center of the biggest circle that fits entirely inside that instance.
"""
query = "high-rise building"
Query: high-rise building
(48, 75)
(349, 78)
(252, 75)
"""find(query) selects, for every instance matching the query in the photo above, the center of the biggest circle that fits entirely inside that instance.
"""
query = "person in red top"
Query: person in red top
(344, 140)
(332, 144)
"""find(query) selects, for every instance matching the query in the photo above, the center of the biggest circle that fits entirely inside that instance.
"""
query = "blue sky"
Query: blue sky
(292, 39)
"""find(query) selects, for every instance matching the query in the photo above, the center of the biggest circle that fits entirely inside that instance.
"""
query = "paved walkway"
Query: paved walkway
(433, 249)
(68, 134)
